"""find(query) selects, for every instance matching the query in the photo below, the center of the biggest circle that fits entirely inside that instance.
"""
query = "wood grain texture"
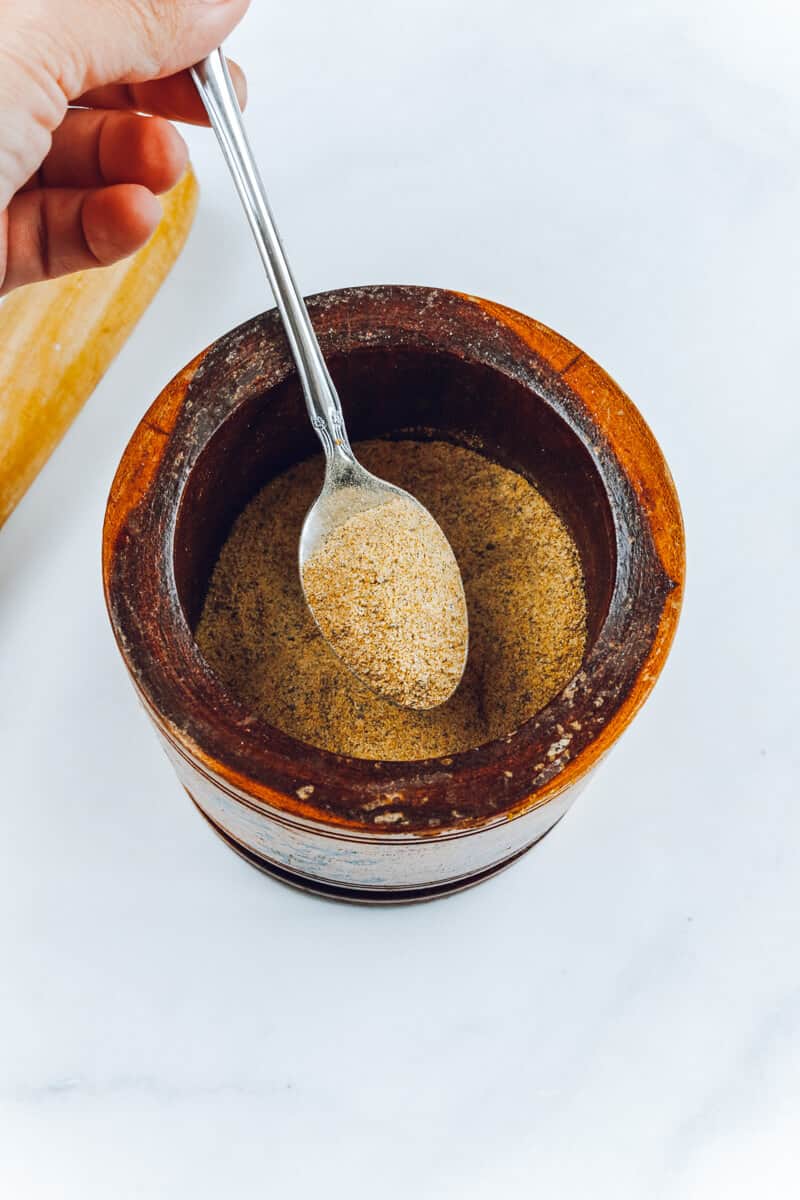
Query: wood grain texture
(58, 338)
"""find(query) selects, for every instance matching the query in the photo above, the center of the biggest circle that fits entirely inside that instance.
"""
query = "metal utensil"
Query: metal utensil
(348, 488)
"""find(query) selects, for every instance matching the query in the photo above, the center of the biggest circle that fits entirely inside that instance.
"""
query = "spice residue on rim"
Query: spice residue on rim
(525, 597)
(386, 592)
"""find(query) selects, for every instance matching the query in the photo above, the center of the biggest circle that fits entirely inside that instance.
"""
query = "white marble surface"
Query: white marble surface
(619, 1015)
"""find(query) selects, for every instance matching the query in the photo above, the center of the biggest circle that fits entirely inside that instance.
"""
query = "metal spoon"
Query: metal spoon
(348, 488)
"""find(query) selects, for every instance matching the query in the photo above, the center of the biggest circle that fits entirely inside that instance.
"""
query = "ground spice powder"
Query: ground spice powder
(387, 595)
(525, 597)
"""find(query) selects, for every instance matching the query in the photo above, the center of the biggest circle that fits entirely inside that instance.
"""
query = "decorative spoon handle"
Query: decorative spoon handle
(213, 82)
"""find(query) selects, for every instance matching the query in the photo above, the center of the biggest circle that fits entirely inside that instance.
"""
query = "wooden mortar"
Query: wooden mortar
(437, 364)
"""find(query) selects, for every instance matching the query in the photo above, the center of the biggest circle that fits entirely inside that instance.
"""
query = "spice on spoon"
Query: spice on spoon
(387, 595)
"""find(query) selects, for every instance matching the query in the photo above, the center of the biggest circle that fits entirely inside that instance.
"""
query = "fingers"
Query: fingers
(53, 231)
(92, 149)
(174, 97)
(91, 202)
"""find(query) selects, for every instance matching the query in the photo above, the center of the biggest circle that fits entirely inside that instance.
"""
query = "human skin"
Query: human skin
(80, 166)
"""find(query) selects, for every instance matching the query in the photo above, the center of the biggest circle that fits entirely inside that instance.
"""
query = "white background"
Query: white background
(619, 1014)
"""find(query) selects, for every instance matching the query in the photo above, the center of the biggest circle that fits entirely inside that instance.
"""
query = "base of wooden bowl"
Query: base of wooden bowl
(327, 891)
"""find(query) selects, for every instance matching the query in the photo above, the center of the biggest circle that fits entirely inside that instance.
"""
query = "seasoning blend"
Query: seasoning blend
(387, 595)
(523, 582)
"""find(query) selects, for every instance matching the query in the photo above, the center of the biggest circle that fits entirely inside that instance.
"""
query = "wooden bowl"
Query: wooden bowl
(404, 359)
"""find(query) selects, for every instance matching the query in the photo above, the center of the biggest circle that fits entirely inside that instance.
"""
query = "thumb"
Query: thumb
(129, 41)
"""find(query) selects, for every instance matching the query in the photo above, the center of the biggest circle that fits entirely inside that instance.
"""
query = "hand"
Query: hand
(80, 167)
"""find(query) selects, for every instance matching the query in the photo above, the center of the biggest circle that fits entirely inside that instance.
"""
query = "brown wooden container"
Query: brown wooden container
(404, 359)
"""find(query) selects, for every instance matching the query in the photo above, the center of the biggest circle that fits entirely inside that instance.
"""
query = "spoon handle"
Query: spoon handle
(213, 82)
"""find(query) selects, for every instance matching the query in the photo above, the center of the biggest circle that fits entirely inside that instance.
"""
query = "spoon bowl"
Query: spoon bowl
(418, 630)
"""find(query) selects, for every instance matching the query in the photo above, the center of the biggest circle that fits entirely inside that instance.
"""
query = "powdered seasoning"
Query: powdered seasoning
(386, 593)
(525, 597)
